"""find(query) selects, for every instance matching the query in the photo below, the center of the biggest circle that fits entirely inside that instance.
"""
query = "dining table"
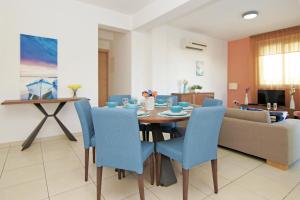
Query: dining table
(154, 119)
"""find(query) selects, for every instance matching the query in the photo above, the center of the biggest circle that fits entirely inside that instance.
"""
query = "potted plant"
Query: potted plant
(196, 88)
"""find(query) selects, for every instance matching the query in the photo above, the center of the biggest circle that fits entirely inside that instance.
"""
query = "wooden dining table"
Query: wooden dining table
(167, 175)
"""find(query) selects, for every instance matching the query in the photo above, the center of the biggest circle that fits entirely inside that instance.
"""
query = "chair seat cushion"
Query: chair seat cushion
(171, 148)
(147, 149)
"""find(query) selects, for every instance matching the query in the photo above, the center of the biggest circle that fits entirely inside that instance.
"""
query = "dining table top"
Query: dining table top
(154, 116)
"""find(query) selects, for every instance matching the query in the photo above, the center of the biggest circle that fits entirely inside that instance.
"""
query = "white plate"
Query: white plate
(188, 108)
(173, 116)
(161, 104)
(170, 113)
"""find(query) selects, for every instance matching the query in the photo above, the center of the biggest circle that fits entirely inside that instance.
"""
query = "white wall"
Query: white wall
(75, 26)
(171, 63)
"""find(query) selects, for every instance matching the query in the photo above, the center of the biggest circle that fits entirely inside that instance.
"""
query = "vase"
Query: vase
(246, 99)
(292, 103)
(185, 89)
(149, 103)
(74, 93)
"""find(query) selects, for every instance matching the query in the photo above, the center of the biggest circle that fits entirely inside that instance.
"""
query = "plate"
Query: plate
(170, 113)
(161, 104)
(188, 108)
(141, 113)
(173, 116)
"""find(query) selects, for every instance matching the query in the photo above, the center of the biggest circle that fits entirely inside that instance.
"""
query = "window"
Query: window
(279, 69)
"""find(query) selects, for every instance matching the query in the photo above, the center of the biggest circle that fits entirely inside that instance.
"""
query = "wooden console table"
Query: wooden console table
(38, 103)
(194, 98)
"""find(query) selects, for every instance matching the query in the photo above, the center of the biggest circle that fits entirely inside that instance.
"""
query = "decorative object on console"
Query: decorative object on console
(246, 96)
(74, 88)
(292, 102)
(38, 70)
(199, 68)
(149, 99)
(185, 86)
(196, 88)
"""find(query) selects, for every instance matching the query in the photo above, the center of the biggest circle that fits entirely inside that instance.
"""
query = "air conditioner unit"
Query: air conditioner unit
(194, 45)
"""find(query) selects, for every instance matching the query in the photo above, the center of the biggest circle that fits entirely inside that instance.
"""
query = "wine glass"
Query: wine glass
(170, 102)
(275, 106)
(269, 106)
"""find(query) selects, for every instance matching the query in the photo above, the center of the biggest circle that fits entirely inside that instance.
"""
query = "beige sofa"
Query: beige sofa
(251, 132)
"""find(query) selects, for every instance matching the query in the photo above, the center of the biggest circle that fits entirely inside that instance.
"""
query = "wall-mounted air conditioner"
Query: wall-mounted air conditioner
(194, 45)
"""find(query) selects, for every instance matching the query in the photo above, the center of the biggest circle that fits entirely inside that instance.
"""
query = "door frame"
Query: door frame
(107, 73)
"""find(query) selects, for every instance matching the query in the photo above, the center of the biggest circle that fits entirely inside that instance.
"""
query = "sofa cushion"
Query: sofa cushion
(255, 116)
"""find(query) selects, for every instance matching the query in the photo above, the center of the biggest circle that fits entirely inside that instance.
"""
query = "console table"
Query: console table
(38, 104)
(194, 98)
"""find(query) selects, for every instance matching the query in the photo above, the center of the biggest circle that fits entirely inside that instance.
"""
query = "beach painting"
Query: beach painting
(38, 71)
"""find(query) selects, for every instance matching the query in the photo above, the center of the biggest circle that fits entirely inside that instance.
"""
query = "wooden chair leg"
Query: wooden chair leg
(94, 154)
(141, 186)
(119, 174)
(123, 173)
(158, 163)
(185, 173)
(152, 169)
(144, 135)
(99, 182)
(214, 167)
(86, 164)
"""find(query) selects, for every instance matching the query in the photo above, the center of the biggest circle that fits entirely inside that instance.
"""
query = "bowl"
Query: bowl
(112, 104)
(184, 104)
(176, 109)
(160, 101)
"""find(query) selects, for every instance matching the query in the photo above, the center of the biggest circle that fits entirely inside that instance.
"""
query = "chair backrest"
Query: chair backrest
(119, 98)
(84, 109)
(208, 102)
(202, 135)
(118, 142)
(166, 97)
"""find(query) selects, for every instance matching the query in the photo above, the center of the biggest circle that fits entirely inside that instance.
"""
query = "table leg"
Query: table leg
(167, 174)
(62, 126)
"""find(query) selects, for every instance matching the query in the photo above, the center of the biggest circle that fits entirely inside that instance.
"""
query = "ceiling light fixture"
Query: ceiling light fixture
(250, 14)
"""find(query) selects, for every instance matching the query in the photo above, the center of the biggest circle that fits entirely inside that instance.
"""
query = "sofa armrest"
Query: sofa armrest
(292, 128)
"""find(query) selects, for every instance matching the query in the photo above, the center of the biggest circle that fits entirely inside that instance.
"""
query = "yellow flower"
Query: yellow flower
(74, 86)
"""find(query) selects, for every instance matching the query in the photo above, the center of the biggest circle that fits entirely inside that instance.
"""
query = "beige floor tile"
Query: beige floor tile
(63, 181)
(33, 190)
(56, 154)
(114, 189)
(107, 172)
(243, 161)
(4, 145)
(204, 181)
(86, 192)
(235, 192)
(21, 175)
(148, 195)
(294, 194)
(265, 187)
(174, 192)
(61, 165)
(222, 152)
(18, 160)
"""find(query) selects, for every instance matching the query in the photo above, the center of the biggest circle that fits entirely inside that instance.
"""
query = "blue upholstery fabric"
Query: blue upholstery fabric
(83, 109)
(208, 102)
(119, 98)
(201, 139)
(166, 97)
(118, 142)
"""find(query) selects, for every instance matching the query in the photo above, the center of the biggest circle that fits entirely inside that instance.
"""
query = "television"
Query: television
(271, 96)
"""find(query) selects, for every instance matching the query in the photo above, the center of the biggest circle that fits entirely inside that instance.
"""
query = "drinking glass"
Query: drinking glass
(125, 101)
(170, 102)
(269, 106)
(275, 106)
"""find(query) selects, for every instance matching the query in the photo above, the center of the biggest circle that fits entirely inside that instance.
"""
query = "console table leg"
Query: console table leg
(66, 131)
(31, 137)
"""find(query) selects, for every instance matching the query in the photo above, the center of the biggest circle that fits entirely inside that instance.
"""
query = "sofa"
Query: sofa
(253, 133)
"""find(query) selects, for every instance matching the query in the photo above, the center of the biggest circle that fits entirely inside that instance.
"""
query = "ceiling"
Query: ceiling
(128, 7)
(222, 18)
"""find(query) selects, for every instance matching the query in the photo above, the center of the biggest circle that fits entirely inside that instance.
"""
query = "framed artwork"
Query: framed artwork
(38, 71)
(199, 68)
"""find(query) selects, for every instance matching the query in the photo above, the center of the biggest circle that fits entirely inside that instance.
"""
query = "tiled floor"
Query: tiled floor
(52, 169)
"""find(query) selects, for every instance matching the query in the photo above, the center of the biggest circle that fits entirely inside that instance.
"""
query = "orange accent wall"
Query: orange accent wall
(240, 70)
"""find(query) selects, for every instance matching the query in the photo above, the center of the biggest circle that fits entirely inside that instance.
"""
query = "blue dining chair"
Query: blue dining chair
(118, 144)
(208, 102)
(83, 109)
(198, 146)
(119, 98)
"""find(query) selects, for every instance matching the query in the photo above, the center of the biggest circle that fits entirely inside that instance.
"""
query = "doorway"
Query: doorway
(103, 62)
